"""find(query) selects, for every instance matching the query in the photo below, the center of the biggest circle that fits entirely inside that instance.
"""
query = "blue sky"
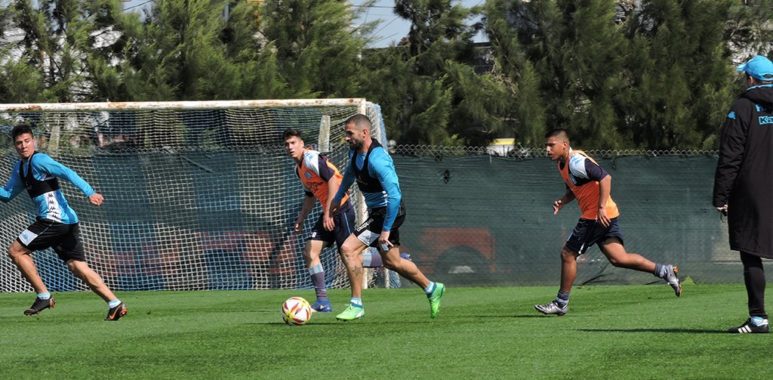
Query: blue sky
(390, 30)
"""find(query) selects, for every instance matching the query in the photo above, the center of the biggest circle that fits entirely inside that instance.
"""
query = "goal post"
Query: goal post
(198, 194)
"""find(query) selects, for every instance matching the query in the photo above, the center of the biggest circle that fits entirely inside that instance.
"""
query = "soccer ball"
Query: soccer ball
(296, 311)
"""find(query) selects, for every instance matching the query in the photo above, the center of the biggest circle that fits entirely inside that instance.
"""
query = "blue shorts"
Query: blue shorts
(344, 221)
(589, 232)
(370, 230)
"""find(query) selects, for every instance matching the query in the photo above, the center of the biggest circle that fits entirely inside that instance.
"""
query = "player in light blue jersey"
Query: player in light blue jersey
(56, 224)
(373, 169)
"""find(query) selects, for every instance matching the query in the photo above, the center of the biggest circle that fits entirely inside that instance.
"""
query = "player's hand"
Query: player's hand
(384, 245)
(723, 210)
(298, 226)
(96, 199)
(557, 206)
(328, 223)
(602, 218)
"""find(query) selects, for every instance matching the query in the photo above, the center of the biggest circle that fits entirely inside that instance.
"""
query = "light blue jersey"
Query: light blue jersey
(378, 184)
(51, 205)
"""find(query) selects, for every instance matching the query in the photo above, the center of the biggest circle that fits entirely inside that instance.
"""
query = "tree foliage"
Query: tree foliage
(618, 74)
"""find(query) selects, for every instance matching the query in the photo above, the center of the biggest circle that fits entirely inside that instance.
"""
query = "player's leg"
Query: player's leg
(754, 279)
(37, 236)
(351, 251)
(576, 244)
(22, 258)
(560, 304)
(70, 250)
(81, 269)
(408, 269)
(317, 273)
(344, 226)
(615, 252)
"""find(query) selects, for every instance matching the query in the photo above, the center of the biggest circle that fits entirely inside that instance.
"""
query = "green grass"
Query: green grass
(640, 332)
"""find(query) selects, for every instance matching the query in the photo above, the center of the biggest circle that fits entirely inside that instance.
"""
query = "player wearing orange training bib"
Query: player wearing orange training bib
(591, 185)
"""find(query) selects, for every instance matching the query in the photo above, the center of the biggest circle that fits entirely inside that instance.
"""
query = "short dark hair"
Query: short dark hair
(20, 130)
(359, 120)
(292, 132)
(557, 132)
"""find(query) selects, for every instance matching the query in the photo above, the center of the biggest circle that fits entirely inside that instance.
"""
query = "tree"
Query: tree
(316, 45)
(430, 93)
(62, 41)
(678, 74)
(184, 54)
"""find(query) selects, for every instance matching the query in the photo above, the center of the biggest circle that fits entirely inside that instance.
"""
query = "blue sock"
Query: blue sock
(759, 321)
(44, 296)
(562, 298)
(356, 301)
(318, 279)
(430, 288)
(114, 303)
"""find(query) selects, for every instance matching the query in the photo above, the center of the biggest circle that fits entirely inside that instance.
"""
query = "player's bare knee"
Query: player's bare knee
(615, 261)
(15, 251)
(389, 262)
(568, 255)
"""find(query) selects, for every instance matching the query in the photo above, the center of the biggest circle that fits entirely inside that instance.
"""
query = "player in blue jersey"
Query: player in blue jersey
(373, 169)
(56, 225)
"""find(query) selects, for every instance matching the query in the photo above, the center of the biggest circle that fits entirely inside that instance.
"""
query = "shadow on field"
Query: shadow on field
(660, 330)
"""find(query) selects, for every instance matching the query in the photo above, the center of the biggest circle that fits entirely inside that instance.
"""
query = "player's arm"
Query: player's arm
(561, 202)
(732, 141)
(328, 173)
(346, 182)
(308, 205)
(605, 188)
(594, 172)
(382, 167)
(13, 187)
(43, 163)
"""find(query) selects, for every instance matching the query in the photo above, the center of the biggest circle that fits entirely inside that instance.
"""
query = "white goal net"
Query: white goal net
(198, 195)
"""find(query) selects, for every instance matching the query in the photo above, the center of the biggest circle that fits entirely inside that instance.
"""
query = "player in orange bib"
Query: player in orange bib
(591, 185)
(320, 180)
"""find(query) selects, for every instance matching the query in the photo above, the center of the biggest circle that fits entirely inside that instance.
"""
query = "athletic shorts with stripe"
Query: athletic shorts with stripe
(65, 239)
(369, 231)
(589, 232)
(344, 226)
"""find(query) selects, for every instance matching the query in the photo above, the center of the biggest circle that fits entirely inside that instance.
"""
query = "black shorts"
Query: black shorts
(369, 231)
(344, 221)
(589, 232)
(65, 239)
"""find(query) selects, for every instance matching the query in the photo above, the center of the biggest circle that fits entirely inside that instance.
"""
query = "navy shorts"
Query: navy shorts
(589, 232)
(65, 239)
(369, 231)
(344, 226)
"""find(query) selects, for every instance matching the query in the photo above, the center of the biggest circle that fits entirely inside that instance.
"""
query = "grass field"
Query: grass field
(640, 332)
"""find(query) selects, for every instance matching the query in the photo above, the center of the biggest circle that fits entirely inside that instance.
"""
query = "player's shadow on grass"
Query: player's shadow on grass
(658, 330)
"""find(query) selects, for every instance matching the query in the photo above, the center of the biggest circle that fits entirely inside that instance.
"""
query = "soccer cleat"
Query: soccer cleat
(116, 313)
(40, 305)
(673, 280)
(434, 299)
(749, 328)
(322, 306)
(552, 308)
(351, 313)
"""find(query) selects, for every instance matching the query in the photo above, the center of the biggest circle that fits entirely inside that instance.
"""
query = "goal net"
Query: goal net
(198, 195)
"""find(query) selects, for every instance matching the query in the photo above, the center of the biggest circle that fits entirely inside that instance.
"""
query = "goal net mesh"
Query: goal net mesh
(196, 197)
